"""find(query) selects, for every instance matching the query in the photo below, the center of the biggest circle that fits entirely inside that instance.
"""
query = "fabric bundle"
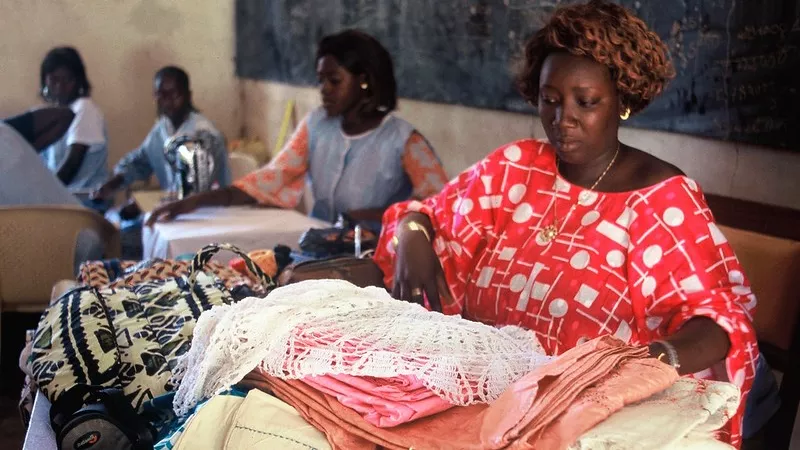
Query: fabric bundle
(686, 416)
(117, 273)
(372, 372)
(331, 327)
(640, 404)
(552, 406)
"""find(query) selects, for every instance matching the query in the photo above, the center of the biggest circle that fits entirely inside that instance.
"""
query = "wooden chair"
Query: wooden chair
(773, 267)
(37, 249)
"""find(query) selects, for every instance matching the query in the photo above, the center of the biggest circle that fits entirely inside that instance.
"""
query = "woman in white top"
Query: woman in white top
(79, 158)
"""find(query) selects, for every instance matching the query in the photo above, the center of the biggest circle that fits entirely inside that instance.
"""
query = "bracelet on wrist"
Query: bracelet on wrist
(670, 354)
(411, 225)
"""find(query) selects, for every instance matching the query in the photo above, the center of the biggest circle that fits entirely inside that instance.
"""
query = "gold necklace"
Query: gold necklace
(550, 232)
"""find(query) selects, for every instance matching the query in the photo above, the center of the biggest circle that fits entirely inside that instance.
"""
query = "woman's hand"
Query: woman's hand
(107, 190)
(417, 272)
(169, 211)
(229, 196)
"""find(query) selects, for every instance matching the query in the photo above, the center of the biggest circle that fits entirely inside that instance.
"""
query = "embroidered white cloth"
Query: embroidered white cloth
(685, 416)
(324, 327)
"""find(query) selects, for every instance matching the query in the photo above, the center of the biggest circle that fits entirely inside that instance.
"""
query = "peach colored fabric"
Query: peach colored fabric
(383, 402)
(550, 408)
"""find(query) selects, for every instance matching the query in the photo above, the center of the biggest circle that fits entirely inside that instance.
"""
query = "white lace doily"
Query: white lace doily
(333, 327)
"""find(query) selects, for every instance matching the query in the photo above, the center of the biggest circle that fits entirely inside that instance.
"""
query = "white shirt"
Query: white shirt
(87, 128)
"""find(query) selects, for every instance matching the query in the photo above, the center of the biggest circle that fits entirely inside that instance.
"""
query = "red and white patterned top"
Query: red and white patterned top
(636, 265)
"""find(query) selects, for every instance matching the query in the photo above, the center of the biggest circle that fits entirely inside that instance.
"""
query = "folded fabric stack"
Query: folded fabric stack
(383, 402)
(371, 372)
(331, 327)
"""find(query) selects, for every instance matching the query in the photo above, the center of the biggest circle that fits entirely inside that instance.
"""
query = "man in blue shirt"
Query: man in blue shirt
(177, 116)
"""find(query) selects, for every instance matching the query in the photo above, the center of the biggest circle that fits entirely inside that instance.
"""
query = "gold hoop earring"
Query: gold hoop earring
(626, 114)
(364, 86)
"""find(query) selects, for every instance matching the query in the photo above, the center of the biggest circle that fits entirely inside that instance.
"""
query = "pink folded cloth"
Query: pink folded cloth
(383, 402)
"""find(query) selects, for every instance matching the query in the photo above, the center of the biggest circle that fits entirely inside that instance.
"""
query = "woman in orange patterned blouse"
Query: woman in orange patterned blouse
(359, 157)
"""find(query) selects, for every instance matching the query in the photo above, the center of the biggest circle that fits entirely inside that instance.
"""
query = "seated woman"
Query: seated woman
(177, 116)
(79, 158)
(583, 236)
(359, 157)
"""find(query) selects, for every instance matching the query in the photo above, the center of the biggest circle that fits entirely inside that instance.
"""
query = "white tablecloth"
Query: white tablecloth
(245, 227)
(40, 435)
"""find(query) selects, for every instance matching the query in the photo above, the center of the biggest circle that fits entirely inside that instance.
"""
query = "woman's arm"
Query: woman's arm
(229, 196)
(456, 228)
(134, 166)
(281, 182)
(72, 163)
(699, 344)
(423, 167)
(86, 130)
(687, 288)
(418, 218)
(41, 127)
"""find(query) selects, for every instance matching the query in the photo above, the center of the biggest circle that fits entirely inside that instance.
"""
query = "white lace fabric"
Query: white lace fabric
(324, 327)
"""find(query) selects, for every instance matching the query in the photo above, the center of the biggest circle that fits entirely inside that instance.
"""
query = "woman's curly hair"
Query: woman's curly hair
(612, 36)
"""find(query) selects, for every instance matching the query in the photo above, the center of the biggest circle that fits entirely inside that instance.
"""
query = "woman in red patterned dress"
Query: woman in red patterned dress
(583, 236)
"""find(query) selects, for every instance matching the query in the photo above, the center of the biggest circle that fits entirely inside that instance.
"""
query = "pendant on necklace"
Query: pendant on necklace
(547, 234)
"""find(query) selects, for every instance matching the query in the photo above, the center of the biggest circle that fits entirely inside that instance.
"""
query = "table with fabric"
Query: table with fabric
(245, 227)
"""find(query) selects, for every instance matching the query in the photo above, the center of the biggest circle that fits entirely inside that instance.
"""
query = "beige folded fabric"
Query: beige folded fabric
(258, 421)
(264, 423)
(209, 426)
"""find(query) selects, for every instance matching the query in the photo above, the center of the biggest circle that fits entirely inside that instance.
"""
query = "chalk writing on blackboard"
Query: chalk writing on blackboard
(779, 30)
(755, 63)
(735, 61)
(759, 126)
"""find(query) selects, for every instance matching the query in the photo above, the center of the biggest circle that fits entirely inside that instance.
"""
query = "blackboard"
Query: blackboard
(737, 61)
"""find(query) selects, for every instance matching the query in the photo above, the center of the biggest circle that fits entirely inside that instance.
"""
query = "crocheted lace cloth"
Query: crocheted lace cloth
(325, 327)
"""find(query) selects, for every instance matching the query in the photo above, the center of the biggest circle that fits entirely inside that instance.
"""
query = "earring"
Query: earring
(626, 114)
(45, 92)
(81, 92)
(364, 86)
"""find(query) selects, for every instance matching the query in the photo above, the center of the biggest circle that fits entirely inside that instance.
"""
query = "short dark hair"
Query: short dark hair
(179, 75)
(362, 54)
(70, 59)
(611, 35)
